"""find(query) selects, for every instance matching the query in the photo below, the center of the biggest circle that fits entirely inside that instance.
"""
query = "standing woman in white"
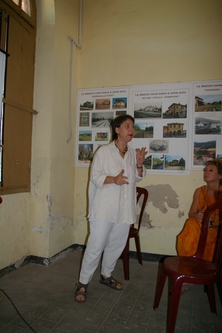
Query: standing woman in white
(115, 169)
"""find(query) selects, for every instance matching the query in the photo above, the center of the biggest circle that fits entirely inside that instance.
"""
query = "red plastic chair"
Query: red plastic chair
(194, 270)
(134, 233)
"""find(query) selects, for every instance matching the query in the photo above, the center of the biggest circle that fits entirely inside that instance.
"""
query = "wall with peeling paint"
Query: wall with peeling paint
(41, 223)
(125, 42)
(53, 163)
(131, 42)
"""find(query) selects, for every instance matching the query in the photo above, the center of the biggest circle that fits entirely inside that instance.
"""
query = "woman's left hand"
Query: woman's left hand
(140, 155)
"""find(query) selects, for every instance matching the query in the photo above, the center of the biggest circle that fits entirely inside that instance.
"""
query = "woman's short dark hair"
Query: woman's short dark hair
(116, 122)
(218, 163)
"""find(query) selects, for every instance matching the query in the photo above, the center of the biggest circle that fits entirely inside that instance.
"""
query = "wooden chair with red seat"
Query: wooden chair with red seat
(193, 270)
(142, 196)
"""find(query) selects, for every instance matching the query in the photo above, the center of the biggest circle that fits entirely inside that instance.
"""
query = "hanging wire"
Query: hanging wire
(17, 310)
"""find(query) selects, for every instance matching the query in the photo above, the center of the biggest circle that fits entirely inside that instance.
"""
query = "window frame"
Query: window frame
(18, 111)
(30, 19)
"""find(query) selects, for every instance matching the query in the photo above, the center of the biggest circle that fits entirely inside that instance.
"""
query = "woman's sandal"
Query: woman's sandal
(81, 290)
(111, 282)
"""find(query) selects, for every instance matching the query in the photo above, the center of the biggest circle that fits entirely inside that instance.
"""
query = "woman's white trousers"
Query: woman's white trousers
(107, 238)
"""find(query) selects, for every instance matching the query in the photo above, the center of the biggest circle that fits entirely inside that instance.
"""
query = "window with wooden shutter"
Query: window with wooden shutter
(18, 43)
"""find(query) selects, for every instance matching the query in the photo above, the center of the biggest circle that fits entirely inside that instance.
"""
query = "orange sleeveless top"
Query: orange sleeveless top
(205, 201)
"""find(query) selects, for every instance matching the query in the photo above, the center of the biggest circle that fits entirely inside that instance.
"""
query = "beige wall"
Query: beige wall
(41, 223)
(53, 142)
(127, 42)
(124, 42)
(133, 42)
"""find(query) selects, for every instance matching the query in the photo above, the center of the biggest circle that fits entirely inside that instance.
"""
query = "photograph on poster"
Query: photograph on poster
(173, 162)
(120, 112)
(204, 150)
(87, 105)
(208, 103)
(143, 130)
(148, 162)
(102, 119)
(119, 103)
(161, 146)
(157, 162)
(175, 110)
(148, 110)
(101, 136)
(85, 135)
(174, 130)
(85, 153)
(207, 126)
(103, 104)
(83, 119)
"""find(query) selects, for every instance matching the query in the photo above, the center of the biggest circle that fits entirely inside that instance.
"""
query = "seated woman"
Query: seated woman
(203, 197)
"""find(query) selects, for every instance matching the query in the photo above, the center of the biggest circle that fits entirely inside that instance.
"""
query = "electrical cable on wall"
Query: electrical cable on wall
(79, 46)
(70, 89)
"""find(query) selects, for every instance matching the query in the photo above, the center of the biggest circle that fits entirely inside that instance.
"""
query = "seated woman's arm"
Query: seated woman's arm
(194, 212)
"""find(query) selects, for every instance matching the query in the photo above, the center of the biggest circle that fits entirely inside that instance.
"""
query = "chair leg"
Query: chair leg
(211, 298)
(219, 289)
(173, 306)
(125, 255)
(159, 290)
(138, 249)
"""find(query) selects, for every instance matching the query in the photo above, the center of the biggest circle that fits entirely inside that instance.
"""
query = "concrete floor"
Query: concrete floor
(44, 296)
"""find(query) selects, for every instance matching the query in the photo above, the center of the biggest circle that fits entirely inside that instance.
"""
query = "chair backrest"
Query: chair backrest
(142, 197)
(217, 258)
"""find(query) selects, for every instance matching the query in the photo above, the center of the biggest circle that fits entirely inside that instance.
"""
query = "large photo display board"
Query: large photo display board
(178, 123)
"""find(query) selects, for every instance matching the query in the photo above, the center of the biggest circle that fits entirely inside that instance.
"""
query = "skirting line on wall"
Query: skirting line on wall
(75, 247)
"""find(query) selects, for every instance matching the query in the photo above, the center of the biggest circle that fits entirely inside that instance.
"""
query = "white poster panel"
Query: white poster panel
(95, 110)
(162, 113)
(207, 120)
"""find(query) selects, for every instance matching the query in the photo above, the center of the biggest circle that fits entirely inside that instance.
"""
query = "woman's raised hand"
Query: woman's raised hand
(140, 155)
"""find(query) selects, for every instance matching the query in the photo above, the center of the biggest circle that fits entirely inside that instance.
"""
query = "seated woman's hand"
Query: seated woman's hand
(200, 215)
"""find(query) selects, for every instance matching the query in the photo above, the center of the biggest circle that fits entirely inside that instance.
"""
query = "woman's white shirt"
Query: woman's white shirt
(111, 202)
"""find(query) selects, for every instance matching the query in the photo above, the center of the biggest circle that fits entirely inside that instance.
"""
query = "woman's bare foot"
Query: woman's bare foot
(81, 293)
(111, 282)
